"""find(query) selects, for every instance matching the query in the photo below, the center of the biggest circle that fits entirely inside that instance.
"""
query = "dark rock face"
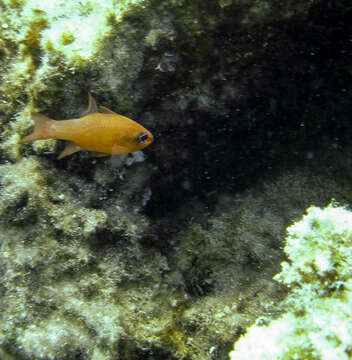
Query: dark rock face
(250, 98)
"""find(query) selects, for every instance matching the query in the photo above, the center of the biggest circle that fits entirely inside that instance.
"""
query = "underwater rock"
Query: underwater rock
(170, 254)
(78, 280)
(317, 322)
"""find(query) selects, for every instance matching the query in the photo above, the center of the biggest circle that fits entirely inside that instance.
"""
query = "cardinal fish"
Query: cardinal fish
(104, 132)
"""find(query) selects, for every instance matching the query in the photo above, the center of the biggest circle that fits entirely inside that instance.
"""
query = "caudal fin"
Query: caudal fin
(42, 125)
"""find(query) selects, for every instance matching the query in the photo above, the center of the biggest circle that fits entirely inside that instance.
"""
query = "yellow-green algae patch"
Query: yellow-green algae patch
(43, 44)
(68, 28)
(25, 185)
(68, 290)
(78, 279)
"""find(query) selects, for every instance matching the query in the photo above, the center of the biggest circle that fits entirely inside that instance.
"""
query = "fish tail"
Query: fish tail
(42, 125)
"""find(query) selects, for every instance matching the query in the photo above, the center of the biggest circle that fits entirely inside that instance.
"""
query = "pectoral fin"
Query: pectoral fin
(118, 150)
(69, 149)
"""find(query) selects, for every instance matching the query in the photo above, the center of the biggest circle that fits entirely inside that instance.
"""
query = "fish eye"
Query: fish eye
(142, 138)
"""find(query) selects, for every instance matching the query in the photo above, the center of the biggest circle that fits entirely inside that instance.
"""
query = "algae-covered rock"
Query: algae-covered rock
(47, 41)
(77, 279)
(168, 254)
(317, 323)
(67, 238)
(73, 275)
(227, 260)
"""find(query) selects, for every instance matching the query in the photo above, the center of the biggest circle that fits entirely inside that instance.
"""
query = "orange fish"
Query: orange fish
(103, 132)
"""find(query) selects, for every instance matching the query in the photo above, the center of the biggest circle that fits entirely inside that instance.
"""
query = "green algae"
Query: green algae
(81, 279)
(51, 234)
(39, 38)
(85, 271)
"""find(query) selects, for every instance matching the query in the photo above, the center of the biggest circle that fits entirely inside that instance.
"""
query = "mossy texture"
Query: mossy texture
(70, 298)
(317, 323)
(226, 260)
(55, 237)
(125, 51)
(167, 255)
(46, 44)
(80, 275)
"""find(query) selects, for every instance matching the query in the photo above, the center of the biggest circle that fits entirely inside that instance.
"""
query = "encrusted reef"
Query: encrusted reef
(167, 254)
(317, 323)
(65, 262)
(89, 283)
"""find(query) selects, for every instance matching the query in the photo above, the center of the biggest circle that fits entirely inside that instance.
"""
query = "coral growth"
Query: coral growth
(169, 254)
(317, 323)
(73, 275)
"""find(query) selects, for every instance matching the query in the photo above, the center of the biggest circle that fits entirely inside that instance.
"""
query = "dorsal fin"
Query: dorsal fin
(92, 106)
(105, 110)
